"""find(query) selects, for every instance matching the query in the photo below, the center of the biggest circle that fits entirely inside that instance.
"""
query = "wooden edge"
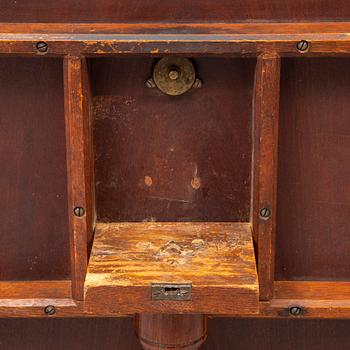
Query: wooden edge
(79, 164)
(280, 28)
(265, 153)
(35, 289)
(312, 290)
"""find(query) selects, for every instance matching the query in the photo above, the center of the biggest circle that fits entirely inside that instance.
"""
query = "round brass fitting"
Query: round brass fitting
(174, 75)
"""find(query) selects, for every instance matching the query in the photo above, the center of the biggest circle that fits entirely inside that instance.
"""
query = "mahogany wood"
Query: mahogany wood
(79, 160)
(34, 240)
(266, 117)
(171, 331)
(179, 11)
(159, 158)
(313, 240)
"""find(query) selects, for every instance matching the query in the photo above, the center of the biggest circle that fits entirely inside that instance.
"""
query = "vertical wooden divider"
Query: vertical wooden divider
(265, 157)
(78, 118)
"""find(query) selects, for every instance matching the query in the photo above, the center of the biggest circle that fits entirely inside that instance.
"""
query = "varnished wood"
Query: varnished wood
(178, 332)
(266, 116)
(34, 239)
(328, 38)
(179, 11)
(217, 258)
(313, 240)
(172, 159)
(79, 162)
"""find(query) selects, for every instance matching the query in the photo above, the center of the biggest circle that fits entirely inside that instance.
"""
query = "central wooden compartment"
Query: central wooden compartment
(161, 161)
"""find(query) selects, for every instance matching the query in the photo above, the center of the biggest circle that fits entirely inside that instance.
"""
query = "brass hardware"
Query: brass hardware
(174, 76)
(171, 291)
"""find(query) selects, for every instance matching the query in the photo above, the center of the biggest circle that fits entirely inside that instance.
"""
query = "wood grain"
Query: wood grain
(80, 166)
(266, 117)
(313, 205)
(175, 331)
(179, 11)
(34, 240)
(159, 158)
(217, 258)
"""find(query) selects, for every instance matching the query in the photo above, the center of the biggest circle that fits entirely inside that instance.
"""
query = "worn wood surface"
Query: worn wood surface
(313, 240)
(80, 166)
(328, 38)
(167, 10)
(34, 240)
(266, 118)
(217, 258)
(175, 331)
(159, 158)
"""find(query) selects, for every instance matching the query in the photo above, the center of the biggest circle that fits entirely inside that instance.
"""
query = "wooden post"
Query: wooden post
(265, 145)
(165, 331)
(80, 167)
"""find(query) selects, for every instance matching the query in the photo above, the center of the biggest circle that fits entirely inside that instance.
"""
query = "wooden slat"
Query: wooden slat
(312, 290)
(35, 289)
(265, 143)
(79, 159)
(216, 258)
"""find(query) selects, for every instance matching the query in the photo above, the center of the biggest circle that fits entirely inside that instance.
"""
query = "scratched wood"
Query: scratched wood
(80, 168)
(172, 159)
(217, 258)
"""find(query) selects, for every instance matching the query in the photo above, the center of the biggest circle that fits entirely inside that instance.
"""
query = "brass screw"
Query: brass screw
(150, 83)
(295, 310)
(50, 310)
(303, 46)
(42, 46)
(173, 74)
(265, 213)
(197, 84)
(79, 211)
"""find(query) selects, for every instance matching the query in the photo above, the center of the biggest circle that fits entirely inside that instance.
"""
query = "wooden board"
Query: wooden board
(313, 241)
(172, 11)
(217, 258)
(186, 158)
(34, 240)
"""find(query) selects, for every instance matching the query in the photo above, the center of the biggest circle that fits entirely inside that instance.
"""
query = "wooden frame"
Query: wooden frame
(267, 42)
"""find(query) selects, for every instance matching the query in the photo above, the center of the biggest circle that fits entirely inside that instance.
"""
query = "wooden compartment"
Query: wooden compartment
(34, 242)
(313, 224)
(164, 159)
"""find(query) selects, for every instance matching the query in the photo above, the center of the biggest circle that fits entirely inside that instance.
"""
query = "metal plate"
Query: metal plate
(174, 75)
(171, 291)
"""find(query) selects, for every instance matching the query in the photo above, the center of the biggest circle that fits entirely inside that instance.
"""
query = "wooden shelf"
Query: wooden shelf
(216, 258)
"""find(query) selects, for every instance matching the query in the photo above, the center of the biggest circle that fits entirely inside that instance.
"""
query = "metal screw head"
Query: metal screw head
(150, 83)
(79, 211)
(295, 310)
(265, 213)
(50, 310)
(42, 46)
(303, 46)
(174, 74)
(197, 84)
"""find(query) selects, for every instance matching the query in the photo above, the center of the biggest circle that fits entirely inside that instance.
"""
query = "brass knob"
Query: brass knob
(174, 76)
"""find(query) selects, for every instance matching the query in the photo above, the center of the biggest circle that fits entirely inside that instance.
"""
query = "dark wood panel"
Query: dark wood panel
(161, 158)
(167, 10)
(34, 240)
(313, 241)
(224, 334)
